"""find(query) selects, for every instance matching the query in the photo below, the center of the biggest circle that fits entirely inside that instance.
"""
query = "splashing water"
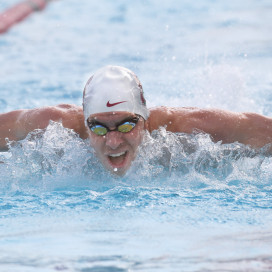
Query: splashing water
(56, 155)
(177, 183)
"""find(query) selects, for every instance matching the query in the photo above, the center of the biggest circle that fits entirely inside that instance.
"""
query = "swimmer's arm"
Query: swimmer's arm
(10, 128)
(247, 128)
(16, 125)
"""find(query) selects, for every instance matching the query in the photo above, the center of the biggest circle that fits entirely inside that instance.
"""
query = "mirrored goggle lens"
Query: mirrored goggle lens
(99, 130)
(126, 127)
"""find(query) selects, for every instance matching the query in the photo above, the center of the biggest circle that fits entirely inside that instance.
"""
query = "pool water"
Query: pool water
(186, 204)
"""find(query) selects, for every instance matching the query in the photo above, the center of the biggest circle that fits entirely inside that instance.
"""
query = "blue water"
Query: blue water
(186, 204)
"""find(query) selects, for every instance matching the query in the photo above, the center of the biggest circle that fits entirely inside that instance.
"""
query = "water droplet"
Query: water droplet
(115, 169)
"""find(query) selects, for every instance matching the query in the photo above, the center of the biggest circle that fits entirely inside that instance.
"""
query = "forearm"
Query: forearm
(16, 125)
(10, 128)
(3, 145)
(256, 130)
(250, 129)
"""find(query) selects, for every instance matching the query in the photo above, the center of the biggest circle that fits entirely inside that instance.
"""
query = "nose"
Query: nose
(114, 139)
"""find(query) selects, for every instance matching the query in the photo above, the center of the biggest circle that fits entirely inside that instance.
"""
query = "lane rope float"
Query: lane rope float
(19, 12)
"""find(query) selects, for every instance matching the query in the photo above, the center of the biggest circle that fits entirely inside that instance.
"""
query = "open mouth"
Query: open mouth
(118, 159)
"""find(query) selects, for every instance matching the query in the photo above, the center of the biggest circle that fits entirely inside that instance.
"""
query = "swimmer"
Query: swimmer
(114, 117)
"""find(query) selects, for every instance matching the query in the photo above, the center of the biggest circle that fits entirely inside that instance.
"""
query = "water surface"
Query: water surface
(186, 204)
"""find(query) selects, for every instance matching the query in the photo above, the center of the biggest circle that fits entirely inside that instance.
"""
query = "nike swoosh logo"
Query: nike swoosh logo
(114, 104)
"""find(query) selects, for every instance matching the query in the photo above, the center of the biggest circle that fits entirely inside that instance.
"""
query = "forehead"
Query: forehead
(111, 116)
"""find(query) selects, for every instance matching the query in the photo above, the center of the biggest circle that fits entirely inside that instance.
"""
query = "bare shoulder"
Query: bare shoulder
(61, 110)
(70, 115)
(174, 119)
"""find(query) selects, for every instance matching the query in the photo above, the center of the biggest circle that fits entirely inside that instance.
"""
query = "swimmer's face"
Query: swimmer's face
(116, 150)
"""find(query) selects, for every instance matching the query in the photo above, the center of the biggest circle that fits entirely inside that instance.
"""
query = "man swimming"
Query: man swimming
(114, 117)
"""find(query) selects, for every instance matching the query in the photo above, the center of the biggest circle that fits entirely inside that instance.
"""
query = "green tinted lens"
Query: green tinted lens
(126, 127)
(99, 130)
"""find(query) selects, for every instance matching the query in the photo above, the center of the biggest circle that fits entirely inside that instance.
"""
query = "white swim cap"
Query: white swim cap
(114, 88)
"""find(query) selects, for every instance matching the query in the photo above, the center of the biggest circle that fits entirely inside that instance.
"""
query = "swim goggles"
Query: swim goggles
(124, 127)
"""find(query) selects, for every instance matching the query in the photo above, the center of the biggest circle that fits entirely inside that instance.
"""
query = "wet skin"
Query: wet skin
(116, 150)
(250, 129)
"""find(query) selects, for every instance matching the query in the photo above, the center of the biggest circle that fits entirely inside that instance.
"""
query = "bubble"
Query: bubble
(115, 169)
